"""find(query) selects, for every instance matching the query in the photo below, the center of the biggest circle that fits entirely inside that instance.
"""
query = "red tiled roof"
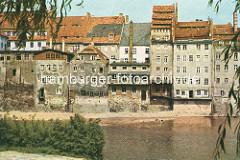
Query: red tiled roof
(192, 30)
(164, 8)
(75, 28)
(223, 32)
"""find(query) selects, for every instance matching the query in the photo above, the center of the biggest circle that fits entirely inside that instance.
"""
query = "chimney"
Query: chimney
(63, 45)
(210, 22)
(127, 19)
(131, 43)
(120, 14)
(176, 13)
(51, 46)
(88, 14)
(235, 21)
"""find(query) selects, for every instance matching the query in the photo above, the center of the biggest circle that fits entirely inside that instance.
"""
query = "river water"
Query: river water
(175, 139)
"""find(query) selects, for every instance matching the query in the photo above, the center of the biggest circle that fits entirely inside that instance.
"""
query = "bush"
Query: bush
(75, 137)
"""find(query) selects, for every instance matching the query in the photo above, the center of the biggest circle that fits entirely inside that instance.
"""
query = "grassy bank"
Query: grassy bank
(75, 137)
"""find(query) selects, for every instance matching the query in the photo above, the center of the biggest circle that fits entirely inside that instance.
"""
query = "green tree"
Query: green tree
(227, 53)
(30, 16)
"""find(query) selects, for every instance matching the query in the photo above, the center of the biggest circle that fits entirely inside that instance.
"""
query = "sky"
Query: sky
(141, 10)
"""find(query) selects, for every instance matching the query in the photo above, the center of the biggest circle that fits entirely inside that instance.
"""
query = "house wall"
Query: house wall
(3, 43)
(140, 55)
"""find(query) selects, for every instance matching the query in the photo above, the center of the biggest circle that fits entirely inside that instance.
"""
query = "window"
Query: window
(178, 80)
(31, 44)
(58, 91)
(191, 58)
(48, 67)
(18, 57)
(134, 60)
(206, 69)
(126, 50)
(165, 59)
(184, 47)
(235, 67)
(198, 58)
(226, 68)
(8, 58)
(57, 55)
(47, 55)
(144, 68)
(82, 68)
(218, 80)
(75, 67)
(178, 69)
(124, 68)
(183, 93)
(178, 92)
(92, 58)
(198, 70)
(205, 92)
(206, 47)
(184, 58)
(91, 94)
(134, 68)
(101, 94)
(114, 89)
(126, 60)
(14, 72)
(222, 93)
(147, 50)
(184, 80)
(39, 44)
(235, 56)
(114, 68)
(178, 57)
(178, 47)
(111, 36)
(54, 67)
(218, 56)
(101, 70)
(134, 50)
(147, 60)
(165, 69)
(2, 58)
(198, 46)
(198, 81)
(158, 59)
(205, 81)
(206, 58)
(42, 67)
(123, 89)
(184, 70)
(83, 93)
(226, 80)
(218, 68)
(26, 57)
(112, 56)
(60, 67)
(198, 92)
(93, 69)
(158, 69)
(114, 76)
(53, 56)
(134, 90)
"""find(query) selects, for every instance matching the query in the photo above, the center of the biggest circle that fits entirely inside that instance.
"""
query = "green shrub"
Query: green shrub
(75, 137)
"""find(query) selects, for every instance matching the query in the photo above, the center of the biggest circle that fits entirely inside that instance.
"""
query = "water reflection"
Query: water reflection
(181, 138)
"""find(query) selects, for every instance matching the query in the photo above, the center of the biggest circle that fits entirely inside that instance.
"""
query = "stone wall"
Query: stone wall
(16, 97)
(193, 107)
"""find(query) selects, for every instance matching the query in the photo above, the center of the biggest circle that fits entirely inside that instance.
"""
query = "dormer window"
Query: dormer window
(110, 36)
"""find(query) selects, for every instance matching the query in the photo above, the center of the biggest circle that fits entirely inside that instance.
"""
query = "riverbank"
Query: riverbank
(106, 118)
(12, 155)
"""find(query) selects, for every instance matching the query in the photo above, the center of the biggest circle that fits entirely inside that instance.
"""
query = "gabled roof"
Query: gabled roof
(78, 29)
(224, 32)
(141, 34)
(69, 55)
(192, 30)
(93, 50)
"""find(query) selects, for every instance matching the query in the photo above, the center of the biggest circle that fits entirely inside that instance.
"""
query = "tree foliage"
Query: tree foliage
(30, 16)
(75, 137)
(227, 53)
